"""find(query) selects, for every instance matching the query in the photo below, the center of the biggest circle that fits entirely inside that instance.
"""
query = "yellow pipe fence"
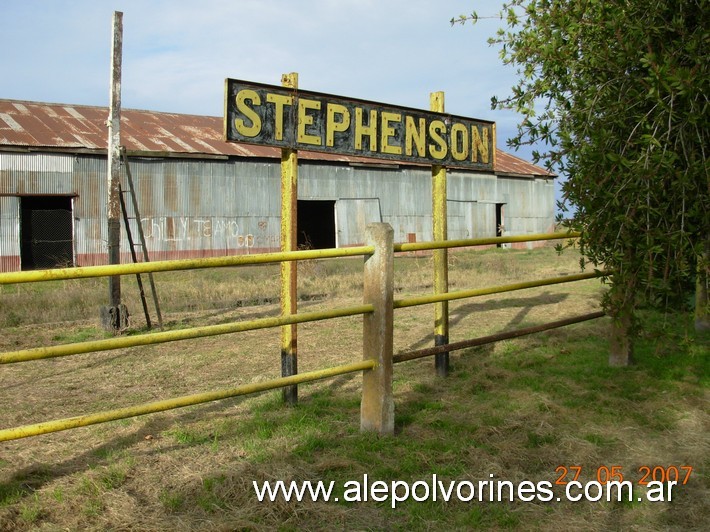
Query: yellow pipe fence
(38, 353)
(211, 330)
(37, 429)
(461, 294)
(84, 272)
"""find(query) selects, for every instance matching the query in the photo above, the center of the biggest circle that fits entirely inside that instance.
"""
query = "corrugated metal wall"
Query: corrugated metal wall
(27, 174)
(191, 207)
(9, 233)
(352, 215)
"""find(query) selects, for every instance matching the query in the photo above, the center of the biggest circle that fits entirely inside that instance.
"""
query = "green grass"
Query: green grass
(81, 334)
(31, 510)
(190, 437)
(171, 501)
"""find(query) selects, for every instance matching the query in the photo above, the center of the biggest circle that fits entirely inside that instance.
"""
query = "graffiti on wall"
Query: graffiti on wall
(187, 228)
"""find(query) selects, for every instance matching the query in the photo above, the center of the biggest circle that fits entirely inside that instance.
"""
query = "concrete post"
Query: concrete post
(377, 407)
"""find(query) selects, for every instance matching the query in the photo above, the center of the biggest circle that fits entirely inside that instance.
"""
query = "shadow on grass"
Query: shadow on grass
(526, 304)
(26, 481)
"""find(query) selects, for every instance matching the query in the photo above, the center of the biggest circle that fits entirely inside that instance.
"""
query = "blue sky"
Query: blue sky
(177, 53)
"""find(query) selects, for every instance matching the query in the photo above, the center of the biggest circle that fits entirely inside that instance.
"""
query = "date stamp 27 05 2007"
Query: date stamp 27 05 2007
(646, 474)
(659, 481)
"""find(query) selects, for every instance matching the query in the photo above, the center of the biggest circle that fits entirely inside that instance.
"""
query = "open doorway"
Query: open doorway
(46, 232)
(316, 224)
(500, 221)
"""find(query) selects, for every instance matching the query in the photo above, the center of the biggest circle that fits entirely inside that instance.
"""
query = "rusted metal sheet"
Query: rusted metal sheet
(507, 164)
(36, 173)
(83, 128)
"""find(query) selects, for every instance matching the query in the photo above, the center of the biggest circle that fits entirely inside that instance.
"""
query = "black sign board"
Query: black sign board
(292, 118)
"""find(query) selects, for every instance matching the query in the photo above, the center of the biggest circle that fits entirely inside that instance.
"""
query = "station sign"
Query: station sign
(271, 115)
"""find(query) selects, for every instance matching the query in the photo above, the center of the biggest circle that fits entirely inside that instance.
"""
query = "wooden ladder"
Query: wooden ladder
(132, 192)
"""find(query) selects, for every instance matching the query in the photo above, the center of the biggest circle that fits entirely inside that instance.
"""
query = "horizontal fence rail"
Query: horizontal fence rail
(173, 336)
(471, 242)
(37, 429)
(463, 294)
(85, 272)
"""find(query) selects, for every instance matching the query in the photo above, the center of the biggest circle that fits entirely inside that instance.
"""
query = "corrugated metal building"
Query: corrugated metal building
(201, 196)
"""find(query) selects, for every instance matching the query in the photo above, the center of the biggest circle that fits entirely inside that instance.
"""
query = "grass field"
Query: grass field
(518, 410)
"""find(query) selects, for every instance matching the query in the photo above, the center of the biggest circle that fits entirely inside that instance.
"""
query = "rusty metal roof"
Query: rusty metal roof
(64, 127)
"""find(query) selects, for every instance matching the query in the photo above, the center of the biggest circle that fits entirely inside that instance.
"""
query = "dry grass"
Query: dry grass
(516, 410)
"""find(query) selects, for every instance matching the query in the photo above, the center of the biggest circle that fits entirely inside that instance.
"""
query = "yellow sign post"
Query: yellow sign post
(441, 260)
(289, 270)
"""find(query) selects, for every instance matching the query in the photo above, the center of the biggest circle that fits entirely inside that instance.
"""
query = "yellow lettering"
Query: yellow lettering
(387, 132)
(479, 144)
(307, 120)
(414, 136)
(279, 101)
(459, 137)
(240, 124)
(370, 130)
(332, 126)
(438, 150)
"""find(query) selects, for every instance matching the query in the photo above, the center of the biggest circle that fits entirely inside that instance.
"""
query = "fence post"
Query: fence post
(377, 407)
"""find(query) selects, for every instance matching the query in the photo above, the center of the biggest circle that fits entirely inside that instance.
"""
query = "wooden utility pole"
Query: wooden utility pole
(114, 317)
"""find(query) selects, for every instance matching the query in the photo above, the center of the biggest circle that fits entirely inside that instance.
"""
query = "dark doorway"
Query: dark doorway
(316, 224)
(500, 222)
(46, 232)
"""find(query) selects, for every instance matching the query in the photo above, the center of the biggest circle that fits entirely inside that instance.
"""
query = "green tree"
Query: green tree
(617, 93)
